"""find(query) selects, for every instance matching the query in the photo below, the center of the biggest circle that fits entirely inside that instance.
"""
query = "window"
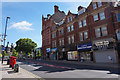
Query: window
(102, 16)
(84, 22)
(118, 17)
(68, 19)
(97, 32)
(69, 40)
(104, 31)
(118, 35)
(94, 6)
(72, 38)
(95, 17)
(55, 43)
(52, 35)
(68, 29)
(81, 36)
(99, 4)
(62, 31)
(85, 35)
(80, 24)
(62, 41)
(72, 28)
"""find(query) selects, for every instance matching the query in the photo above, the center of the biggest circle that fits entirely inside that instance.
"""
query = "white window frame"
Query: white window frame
(94, 6)
(72, 28)
(63, 41)
(84, 22)
(99, 4)
(102, 15)
(97, 33)
(60, 42)
(104, 29)
(69, 40)
(95, 17)
(85, 35)
(81, 36)
(72, 38)
(68, 29)
(80, 24)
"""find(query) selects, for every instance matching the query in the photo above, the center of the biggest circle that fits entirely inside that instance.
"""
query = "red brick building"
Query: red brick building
(91, 35)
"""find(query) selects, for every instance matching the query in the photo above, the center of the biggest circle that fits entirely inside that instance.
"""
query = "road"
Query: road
(46, 69)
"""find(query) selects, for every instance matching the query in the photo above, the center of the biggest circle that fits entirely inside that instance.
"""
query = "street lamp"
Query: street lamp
(5, 37)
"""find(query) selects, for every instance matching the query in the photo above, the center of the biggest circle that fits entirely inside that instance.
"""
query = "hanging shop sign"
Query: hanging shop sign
(83, 47)
(47, 49)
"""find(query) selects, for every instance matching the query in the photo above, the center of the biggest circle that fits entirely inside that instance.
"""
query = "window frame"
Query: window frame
(102, 17)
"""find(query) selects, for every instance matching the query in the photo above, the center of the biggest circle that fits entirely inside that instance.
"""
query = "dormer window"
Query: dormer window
(81, 11)
(99, 4)
(94, 6)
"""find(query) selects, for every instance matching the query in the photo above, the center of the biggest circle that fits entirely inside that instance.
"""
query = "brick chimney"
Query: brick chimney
(56, 9)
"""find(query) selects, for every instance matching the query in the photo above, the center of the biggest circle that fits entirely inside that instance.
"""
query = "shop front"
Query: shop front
(85, 52)
(72, 52)
(62, 54)
(105, 51)
(53, 54)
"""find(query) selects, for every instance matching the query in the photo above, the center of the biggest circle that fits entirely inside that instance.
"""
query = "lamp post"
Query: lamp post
(5, 37)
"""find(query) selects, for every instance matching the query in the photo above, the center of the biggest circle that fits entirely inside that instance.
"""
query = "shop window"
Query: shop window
(68, 28)
(80, 24)
(118, 17)
(99, 4)
(85, 35)
(104, 31)
(72, 27)
(81, 36)
(72, 38)
(97, 32)
(84, 22)
(102, 16)
(94, 6)
(96, 17)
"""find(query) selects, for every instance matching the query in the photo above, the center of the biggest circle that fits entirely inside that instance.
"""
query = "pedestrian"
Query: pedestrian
(110, 59)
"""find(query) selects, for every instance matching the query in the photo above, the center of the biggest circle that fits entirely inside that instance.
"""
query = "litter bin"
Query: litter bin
(16, 68)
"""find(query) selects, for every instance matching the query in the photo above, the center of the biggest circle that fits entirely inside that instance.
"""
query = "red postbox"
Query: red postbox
(13, 62)
(11, 58)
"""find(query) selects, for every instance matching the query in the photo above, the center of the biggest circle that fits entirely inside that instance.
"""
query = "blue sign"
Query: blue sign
(3, 48)
(54, 49)
(83, 47)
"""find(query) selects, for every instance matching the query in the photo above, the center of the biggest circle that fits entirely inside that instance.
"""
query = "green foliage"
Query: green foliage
(5, 54)
(25, 45)
(14, 53)
(38, 53)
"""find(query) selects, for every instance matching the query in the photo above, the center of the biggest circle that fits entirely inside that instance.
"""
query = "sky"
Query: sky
(26, 18)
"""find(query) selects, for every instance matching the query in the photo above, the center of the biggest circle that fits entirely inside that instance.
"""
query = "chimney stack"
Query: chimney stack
(56, 9)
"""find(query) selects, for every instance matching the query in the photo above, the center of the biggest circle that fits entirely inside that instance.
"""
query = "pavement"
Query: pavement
(9, 72)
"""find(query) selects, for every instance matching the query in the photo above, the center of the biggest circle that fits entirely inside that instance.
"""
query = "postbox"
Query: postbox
(13, 62)
(11, 58)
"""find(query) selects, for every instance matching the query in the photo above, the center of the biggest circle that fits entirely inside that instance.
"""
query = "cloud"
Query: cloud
(24, 25)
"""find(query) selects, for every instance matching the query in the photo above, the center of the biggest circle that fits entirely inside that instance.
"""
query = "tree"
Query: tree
(25, 45)
(14, 53)
(38, 53)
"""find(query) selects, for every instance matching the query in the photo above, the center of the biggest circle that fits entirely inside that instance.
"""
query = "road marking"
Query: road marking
(31, 73)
